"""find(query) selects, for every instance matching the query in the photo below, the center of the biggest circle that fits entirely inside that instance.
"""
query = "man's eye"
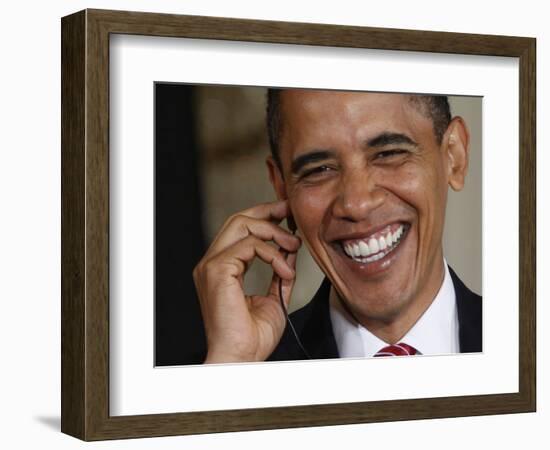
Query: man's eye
(316, 171)
(388, 154)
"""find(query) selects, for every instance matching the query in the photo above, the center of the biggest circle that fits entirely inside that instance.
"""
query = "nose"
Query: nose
(358, 195)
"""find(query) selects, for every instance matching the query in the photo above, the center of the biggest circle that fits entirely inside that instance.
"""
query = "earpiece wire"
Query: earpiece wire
(281, 301)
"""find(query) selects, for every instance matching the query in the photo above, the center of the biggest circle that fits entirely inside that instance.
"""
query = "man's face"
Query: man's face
(366, 181)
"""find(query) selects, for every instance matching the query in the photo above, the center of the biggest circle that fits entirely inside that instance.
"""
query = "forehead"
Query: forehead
(340, 116)
(315, 104)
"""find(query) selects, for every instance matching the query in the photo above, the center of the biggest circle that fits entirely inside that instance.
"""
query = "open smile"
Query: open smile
(376, 246)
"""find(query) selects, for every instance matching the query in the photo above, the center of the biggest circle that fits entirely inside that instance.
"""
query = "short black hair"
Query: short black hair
(435, 107)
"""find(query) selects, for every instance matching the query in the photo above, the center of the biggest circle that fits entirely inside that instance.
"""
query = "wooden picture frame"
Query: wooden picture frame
(85, 224)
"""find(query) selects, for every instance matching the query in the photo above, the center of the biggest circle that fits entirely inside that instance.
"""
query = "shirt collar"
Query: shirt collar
(436, 332)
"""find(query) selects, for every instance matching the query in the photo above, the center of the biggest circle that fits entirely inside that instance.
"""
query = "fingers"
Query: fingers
(256, 222)
(234, 260)
(272, 211)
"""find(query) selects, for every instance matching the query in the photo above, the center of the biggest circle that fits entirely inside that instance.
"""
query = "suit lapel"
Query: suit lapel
(317, 335)
(469, 309)
(313, 326)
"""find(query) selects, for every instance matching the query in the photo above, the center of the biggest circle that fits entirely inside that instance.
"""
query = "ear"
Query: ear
(456, 144)
(276, 178)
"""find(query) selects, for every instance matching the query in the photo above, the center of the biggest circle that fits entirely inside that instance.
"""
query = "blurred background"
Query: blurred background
(210, 150)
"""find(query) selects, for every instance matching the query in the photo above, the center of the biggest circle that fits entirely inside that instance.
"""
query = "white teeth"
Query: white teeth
(373, 246)
(374, 258)
(375, 249)
(364, 248)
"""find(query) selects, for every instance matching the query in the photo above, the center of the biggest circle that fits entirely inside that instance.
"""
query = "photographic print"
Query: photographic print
(216, 150)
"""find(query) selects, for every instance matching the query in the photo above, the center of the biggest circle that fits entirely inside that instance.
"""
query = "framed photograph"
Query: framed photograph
(194, 148)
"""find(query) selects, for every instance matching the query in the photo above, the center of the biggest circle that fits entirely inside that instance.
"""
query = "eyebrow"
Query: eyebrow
(307, 158)
(386, 138)
(381, 140)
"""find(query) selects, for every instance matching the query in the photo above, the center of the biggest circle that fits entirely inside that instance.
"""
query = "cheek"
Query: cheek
(405, 185)
(309, 207)
(424, 191)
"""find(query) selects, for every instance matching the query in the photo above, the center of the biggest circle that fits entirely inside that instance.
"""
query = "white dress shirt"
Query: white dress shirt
(435, 333)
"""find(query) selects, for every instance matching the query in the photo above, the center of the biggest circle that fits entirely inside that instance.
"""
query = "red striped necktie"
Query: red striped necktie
(400, 349)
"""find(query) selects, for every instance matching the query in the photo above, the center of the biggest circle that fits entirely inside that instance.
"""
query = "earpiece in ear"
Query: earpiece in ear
(291, 224)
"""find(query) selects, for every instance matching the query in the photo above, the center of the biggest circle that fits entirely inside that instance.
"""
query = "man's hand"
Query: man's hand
(242, 327)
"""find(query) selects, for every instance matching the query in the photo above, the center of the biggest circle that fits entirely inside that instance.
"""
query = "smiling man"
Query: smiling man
(364, 177)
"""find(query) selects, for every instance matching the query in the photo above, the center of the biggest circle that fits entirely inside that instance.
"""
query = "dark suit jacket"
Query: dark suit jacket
(314, 327)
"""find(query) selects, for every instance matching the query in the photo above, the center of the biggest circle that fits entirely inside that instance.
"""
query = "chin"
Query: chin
(383, 305)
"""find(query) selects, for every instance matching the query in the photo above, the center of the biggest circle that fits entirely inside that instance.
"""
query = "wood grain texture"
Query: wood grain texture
(527, 224)
(307, 33)
(85, 224)
(73, 318)
(97, 225)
